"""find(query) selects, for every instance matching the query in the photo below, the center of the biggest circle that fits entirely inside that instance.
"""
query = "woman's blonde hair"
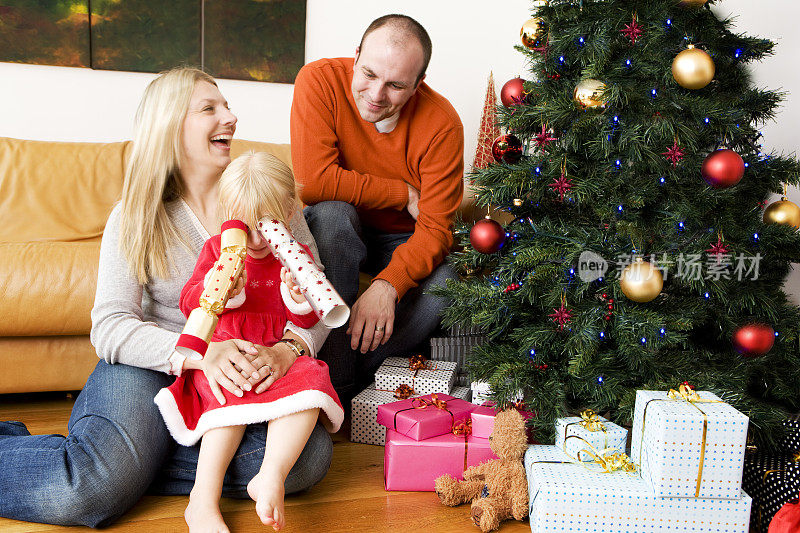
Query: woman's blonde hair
(152, 172)
(257, 185)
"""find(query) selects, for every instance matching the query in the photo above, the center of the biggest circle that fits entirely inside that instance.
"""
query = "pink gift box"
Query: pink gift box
(419, 418)
(483, 420)
(414, 465)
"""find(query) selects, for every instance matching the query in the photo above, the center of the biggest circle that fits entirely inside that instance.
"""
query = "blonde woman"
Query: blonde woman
(118, 446)
(254, 186)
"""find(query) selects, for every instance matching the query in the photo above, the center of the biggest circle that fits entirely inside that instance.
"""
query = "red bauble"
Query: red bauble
(507, 148)
(723, 168)
(754, 339)
(487, 236)
(513, 92)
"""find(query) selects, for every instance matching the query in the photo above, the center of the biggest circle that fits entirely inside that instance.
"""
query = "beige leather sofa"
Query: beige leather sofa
(54, 201)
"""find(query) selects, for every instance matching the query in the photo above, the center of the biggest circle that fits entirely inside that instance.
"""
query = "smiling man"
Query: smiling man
(378, 155)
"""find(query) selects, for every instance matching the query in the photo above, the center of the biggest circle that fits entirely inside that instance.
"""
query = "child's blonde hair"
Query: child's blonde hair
(257, 185)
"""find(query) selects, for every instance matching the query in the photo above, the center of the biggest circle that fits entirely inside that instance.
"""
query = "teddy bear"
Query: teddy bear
(498, 489)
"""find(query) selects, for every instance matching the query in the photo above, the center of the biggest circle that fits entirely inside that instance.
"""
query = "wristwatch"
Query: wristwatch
(295, 345)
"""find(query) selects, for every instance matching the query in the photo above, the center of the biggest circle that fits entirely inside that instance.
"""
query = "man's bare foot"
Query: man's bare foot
(204, 516)
(266, 489)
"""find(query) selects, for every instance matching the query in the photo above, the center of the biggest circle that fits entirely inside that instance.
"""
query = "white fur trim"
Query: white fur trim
(236, 301)
(298, 308)
(176, 361)
(305, 335)
(331, 415)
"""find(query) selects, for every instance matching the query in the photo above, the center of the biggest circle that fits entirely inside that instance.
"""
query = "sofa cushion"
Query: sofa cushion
(33, 364)
(47, 287)
(58, 191)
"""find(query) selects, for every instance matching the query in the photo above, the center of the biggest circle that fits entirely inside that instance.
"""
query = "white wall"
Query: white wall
(470, 37)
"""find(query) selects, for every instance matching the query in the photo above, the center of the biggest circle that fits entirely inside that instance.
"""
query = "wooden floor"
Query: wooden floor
(350, 498)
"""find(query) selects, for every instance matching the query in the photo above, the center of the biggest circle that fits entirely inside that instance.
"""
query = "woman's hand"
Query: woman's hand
(273, 363)
(228, 364)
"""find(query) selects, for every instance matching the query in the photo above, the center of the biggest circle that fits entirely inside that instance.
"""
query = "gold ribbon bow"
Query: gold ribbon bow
(685, 392)
(796, 457)
(403, 392)
(423, 403)
(591, 421)
(612, 462)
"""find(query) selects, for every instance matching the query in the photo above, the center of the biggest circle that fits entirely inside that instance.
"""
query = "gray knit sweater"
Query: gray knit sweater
(139, 325)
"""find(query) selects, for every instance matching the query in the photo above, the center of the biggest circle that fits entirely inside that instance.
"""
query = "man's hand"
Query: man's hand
(413, 202)
(372, 316)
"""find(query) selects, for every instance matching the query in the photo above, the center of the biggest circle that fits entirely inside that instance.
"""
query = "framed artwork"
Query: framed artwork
(45, 33)
(261, 40)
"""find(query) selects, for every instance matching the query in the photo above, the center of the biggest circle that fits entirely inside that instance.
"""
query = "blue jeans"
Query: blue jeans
(117, 448)
(346, 248)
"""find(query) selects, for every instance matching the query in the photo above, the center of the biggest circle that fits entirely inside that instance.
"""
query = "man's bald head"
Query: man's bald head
(402, 27)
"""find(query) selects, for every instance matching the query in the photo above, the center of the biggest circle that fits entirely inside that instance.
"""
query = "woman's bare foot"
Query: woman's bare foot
(266, 489)
(203, 516)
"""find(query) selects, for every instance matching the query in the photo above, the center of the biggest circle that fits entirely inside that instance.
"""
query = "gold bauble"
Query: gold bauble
(641, 281)
(534, 33)
(518, 202)
(692, 3)
(783, 212)
(589, 93)
(693, 68)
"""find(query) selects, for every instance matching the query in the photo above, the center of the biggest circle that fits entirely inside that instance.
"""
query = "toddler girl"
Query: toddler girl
(253, 186)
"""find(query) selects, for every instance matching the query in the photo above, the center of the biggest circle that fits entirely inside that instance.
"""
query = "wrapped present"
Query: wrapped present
(462, 393)
(688, 443)
(456, 349)
(423, 377)
(482, 393)
(575, 497)
(574, 432)
(364, 426)
(483, 419)
(772, 480)
(464, 331)
(424, 417)
(414, 465)
(791, 440)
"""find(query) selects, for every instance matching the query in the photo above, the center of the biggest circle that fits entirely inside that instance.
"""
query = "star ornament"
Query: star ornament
(543, 139)
(718, 249)
(675, 154)
(632, 31)
(561, 185)
(561, 316)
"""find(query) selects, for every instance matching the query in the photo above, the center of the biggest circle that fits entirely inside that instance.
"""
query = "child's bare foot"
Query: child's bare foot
(266, 489)
(204, 516)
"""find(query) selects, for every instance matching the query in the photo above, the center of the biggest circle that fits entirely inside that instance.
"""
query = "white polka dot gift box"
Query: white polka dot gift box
(688, 443)
(364, 427)
(567, 496)
(575, 434)
(424, 377)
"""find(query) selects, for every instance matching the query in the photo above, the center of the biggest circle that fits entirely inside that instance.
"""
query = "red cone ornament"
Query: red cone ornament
(487, 236)
(723, 168)
(507, 149)
(513, 92)
(754, 339)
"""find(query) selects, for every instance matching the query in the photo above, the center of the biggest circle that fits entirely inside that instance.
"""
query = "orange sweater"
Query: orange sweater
(336, 155)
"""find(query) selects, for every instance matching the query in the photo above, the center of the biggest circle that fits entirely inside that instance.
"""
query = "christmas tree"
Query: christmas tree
(637, 253)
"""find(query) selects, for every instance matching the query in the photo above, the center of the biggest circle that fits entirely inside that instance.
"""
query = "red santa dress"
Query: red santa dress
(188, 406)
